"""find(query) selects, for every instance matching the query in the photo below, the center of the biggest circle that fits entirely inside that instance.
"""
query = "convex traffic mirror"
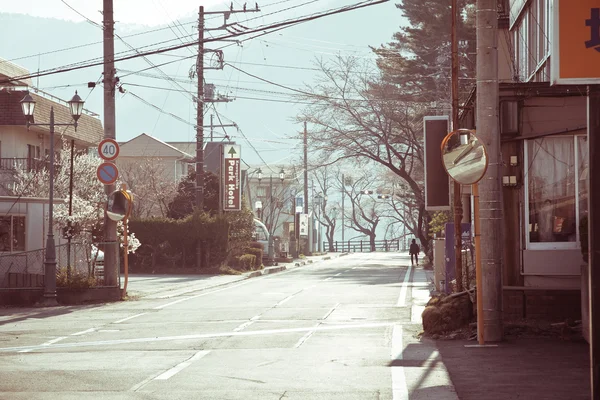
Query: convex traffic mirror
(464, 156)
(119, 205)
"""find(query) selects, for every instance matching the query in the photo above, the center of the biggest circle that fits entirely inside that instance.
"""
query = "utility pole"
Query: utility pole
(306, 243)
(110, 227)
(200, 121)
(594, 235)
(457, 200)
(200, 105)
(343, 195)
(200, 128)
(490, 186)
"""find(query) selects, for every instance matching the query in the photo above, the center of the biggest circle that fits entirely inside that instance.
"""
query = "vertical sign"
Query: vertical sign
(232, 196)
(575, 42)
(303, 224)
(437, 183)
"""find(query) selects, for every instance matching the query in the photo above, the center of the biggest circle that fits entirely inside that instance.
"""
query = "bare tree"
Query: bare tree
(363, 213)
(351, 118)
(152, 185)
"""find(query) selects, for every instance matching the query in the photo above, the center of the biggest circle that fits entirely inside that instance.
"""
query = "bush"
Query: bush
(247, 261)
(76, 280)
(258, 253)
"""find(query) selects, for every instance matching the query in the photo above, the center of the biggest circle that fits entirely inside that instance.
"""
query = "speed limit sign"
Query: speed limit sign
(108, 149)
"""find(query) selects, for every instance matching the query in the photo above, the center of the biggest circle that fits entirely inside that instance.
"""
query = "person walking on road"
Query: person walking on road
(414, 251)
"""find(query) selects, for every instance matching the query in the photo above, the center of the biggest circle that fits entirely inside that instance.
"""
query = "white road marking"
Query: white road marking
(355, 267)
(128, 318)
(179, 367)
(83, 332)
(338, 274)
(285, 300)
(247, 323)
(330, 311)
(198, 336)
(305, 337)
(109, 330)
(201, 295)
(399, 388)
(403, 291)
(48, 343)
(328, 279)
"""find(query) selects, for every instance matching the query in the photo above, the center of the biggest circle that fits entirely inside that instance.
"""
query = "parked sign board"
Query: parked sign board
(232, 196)
(303, 224)
(576, 42)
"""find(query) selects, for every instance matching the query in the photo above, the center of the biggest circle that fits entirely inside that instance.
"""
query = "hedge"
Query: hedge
(174, 241)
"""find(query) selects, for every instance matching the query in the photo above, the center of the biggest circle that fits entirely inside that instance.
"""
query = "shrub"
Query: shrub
(76, 280)
(247, 261)
(258, 253)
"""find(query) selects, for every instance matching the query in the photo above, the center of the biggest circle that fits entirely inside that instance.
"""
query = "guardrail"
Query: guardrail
(362, 246)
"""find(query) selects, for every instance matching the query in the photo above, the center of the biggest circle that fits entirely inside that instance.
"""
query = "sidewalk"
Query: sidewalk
(519, 368)
(545, 368)
(169, 285)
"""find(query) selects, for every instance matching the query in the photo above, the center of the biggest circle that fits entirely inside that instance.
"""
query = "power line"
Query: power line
(262, 29)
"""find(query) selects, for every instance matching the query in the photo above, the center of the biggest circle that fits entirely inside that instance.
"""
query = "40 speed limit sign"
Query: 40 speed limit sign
(108, 149)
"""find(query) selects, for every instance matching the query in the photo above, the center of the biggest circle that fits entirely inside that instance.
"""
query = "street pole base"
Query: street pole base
(48, 300)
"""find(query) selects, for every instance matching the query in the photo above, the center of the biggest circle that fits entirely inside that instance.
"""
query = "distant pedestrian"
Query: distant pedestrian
(414, 251)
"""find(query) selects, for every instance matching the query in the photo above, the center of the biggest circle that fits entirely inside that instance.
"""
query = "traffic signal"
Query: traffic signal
(367, 192)
(383, 196)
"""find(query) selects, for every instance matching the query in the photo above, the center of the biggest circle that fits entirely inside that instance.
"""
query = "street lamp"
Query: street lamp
(259, 173)
(76, 108)
(282, 175)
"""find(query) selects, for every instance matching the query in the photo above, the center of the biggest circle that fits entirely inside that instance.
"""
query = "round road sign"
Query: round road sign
(107, 173)
(108, 149)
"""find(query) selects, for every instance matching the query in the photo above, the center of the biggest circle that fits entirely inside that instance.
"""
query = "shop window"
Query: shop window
(555, 194)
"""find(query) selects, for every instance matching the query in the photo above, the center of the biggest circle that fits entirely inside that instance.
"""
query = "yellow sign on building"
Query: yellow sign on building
(576, 42)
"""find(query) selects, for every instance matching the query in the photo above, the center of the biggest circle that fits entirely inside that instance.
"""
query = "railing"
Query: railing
(26, 269)
(364, 245)
(25, 164)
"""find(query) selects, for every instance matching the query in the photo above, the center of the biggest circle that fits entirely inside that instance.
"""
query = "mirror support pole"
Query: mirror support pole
(478, 277)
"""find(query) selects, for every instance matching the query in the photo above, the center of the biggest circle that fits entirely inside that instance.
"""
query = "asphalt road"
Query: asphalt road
(339, 329)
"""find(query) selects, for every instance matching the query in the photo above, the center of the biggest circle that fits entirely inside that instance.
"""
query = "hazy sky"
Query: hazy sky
(152, 104)
(143, 12)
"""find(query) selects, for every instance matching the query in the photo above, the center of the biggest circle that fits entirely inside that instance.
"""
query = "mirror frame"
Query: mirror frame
(459, 132)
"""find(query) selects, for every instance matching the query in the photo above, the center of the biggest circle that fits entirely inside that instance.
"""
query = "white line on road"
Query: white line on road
(128, 318)
(199, 336)
(247, 323)
(403, 291)
(399, 388)
(83, 332)
(179, 367)
(305, 337)
(338, 274)
(330, 311)
(328, 279)
(48, 343)
(285, 300)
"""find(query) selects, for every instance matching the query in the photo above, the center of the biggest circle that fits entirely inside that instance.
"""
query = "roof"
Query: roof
(89, 128)
(9, 70)
(186, 147)
(146, 137)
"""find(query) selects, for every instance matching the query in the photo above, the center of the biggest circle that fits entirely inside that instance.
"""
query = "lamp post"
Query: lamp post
(258, 206)
(76, 108)
(319, 204)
